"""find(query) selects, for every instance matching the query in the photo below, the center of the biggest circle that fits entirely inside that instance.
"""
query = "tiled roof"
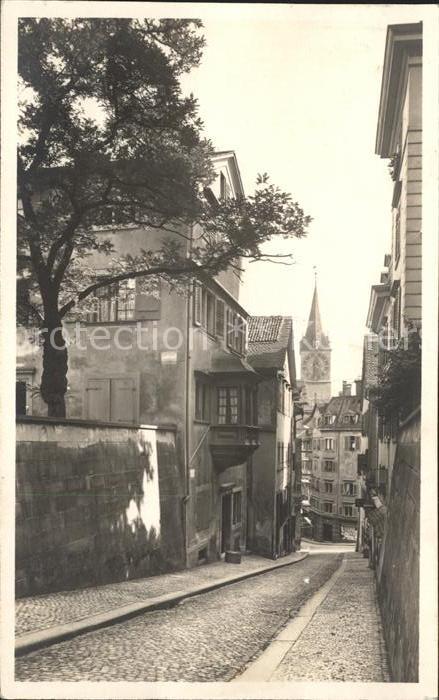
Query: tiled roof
(269, 339)
(264, 329)
(339, 406)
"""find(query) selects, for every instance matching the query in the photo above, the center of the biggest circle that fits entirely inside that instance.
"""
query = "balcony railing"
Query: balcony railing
(232, 444)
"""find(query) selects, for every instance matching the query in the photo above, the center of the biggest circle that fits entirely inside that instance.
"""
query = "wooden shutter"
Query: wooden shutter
(123, 400)
(244, 337)
(147, 307)
(230, 328)
(220, 310)
(197, 303)
(98, 399)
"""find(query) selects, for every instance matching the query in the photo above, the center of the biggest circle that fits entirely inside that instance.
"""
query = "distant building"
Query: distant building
(274, 491)
(315, 359)
(335, 441)
(315, 388)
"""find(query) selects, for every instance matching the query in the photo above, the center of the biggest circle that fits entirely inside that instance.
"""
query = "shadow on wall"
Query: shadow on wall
(89, 505)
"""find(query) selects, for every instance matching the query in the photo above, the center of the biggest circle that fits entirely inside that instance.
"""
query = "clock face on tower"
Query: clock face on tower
(315, 367)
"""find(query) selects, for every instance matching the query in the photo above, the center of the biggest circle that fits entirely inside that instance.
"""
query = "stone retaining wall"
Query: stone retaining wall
(96, 503)
(398, 570)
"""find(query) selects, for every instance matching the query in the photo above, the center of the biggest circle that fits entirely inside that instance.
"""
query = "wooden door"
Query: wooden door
(226, 521)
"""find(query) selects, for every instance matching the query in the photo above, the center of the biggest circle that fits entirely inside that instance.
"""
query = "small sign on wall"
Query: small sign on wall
(168, 357)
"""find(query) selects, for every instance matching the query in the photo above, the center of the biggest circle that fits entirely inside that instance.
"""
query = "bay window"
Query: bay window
(228, 404)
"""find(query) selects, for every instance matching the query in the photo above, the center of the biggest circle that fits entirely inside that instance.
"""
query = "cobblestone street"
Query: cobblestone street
(207, 638)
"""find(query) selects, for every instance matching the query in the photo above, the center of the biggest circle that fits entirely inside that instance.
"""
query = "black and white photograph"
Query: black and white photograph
(220, 458)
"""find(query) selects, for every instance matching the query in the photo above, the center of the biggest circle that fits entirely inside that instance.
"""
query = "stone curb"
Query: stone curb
(32, 641)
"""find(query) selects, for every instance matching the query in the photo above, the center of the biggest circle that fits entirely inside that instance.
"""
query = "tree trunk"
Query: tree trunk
(54, 377)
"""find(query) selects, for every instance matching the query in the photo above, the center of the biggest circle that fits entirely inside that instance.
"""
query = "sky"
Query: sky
(294, 91)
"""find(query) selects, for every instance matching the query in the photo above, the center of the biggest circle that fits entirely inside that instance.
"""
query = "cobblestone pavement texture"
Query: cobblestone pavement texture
(45, 611)
(210, 637)
(344, 640)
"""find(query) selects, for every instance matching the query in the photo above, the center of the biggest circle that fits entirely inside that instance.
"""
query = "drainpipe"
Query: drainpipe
(187, 428)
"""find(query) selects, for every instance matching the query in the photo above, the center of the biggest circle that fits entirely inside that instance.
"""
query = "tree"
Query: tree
(398, 390)
(105, 130)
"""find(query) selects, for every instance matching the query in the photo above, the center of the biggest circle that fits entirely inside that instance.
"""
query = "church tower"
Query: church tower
(315, 358)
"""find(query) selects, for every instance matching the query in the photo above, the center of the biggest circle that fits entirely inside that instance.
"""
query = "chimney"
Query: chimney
(358, 387)
(346, 389)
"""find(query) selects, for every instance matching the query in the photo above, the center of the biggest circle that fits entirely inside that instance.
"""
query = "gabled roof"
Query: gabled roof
(270, 342)
(229, 157)
(314, 336)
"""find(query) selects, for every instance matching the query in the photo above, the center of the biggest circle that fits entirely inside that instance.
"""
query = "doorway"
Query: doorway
(226, 521)
(327, 532)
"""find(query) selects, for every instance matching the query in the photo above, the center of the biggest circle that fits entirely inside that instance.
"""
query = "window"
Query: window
(329, 444)
(306, 466)
(224, 187)
(396, 316)
(348, 510)
(327, 507)
(316, 444)
(204, 308)
(220, 317)
(23, 393)
(351, 443)
(397, 226)
(115, 302)
(314, 503)
(329, 465)
(209, 312)
(20, 398)
(111, 215)
(280, 454)
(236, 507)
(350, 419)
(197, 303)
(348, 488)
(315, 464)
(228, 405)
(329, 486)
(306, 445)
(202, 400)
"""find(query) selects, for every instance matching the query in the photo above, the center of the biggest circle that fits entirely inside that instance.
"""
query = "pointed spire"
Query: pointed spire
(314, 335)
